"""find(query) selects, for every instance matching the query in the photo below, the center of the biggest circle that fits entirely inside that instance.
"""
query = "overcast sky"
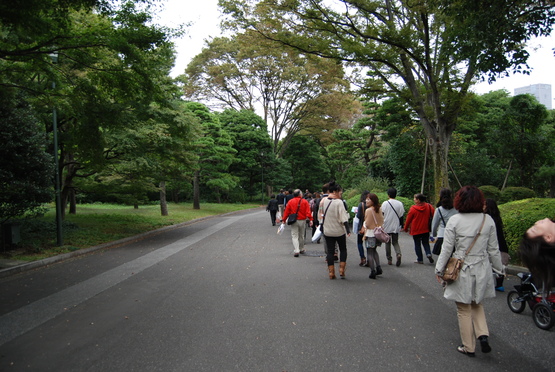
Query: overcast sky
(204, 17)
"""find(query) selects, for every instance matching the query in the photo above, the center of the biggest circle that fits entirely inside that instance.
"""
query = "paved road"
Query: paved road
(226, 294)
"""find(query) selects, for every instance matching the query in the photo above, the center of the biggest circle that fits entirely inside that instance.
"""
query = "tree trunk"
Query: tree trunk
(72, 201)
(196, 190)
(163, 201)
(438, 137)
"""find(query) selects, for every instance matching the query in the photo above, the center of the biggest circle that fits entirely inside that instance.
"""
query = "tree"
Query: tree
(113, 63)
(26, 171)
(247, 72)
(419, 52)
(215, 153)
(253, 145)
(309, 170)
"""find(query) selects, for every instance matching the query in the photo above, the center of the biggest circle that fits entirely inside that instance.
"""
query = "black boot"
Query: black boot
(372, 274)
(379, 270)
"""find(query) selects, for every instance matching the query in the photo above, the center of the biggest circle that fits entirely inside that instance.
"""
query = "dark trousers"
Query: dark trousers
(273, 217)
(419, 241)
(330, 248)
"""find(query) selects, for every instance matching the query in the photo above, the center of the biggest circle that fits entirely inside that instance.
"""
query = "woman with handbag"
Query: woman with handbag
(373, 218)
(471, 237)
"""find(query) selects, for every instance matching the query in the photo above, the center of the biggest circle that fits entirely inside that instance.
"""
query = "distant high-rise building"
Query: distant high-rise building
(542, 92)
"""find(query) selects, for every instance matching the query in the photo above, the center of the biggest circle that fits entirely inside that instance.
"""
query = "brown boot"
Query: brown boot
(331, 269)
(342, 269)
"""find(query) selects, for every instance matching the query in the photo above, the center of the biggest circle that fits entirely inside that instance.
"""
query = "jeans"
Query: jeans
(422, 239)
(360, 245)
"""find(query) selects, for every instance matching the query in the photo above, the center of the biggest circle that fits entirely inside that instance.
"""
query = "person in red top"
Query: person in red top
(418, 225)
(300, 206)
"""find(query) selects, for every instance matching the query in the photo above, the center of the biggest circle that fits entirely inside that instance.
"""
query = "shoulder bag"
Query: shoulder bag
(454, 265)
(379, 232)
(324, 217)
(394, 211)
(292, 218)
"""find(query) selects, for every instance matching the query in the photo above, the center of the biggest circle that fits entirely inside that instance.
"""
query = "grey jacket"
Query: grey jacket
(475, 280)
(438, 227)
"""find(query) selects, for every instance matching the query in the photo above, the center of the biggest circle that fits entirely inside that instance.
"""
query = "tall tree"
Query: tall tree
(420, 52)
(27, 170)
(215, 153)
(254, 156)
(247, 72)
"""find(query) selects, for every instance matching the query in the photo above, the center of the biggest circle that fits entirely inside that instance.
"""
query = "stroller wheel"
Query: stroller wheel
(543, 315)
(516, 304)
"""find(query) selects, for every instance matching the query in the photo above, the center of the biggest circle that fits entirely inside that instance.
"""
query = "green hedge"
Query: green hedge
(519, 215)
(382, 196)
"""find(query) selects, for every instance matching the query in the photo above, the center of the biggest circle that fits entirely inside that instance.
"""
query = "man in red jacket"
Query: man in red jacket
(418, 225)
(300, 206)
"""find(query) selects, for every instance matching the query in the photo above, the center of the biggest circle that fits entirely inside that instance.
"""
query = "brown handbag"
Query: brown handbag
(454, 265)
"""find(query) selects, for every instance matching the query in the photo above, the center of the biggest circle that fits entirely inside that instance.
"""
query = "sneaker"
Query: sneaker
(389, 262)
(303, 251)
(398, 263)
(296, 255)
(430, 258)
(500, 289)
(418, 262)
(461, 349)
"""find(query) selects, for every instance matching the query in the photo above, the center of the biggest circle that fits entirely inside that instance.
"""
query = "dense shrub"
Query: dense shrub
(491, 192)
(382, 196)
(516, 193)
(519, 215)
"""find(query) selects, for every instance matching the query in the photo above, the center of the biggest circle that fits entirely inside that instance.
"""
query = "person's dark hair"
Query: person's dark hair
(364, 195)
(375, 202)
(272, 196)
(326, 188)
(392, 192)
(333, 187)
(446, 198)
(539, 257)
(421, 197)
(469, 199)
(493, 210)
(290, 191)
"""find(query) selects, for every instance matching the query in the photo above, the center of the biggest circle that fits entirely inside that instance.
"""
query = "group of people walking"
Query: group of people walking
(466, 226)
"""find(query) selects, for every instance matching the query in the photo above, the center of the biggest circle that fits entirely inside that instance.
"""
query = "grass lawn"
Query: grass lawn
(96, 224)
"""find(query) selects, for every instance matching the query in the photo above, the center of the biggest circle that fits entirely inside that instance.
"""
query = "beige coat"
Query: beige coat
(475, 280)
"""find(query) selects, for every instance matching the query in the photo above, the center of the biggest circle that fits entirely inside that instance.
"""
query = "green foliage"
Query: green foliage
(26, 170)
(516, 193)
(518, 216)
(375, 185)
(251, 142)
(491, 192)
(353, 201)
(307, 164)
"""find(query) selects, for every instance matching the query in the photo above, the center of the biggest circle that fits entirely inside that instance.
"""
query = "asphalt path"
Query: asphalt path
(226, 294)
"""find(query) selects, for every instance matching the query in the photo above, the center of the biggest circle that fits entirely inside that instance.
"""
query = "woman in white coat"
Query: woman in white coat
(475, 280)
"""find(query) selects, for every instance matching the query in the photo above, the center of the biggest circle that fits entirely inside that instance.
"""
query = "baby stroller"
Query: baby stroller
(542, 304)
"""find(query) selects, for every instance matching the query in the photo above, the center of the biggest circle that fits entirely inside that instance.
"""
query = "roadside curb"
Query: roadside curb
(19, 268)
